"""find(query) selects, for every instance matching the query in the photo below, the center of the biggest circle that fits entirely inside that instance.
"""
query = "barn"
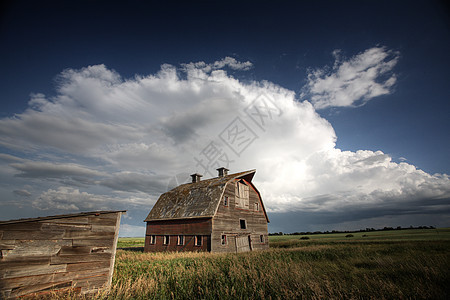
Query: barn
(221, 214)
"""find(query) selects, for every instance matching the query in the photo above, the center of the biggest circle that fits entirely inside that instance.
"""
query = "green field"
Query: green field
(388, 235)
(399, 264)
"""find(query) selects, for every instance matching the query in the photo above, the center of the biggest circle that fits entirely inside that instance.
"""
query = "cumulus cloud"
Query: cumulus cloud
(365, 181)
(230, 62)
(128, 140)
(353, 81)
(72, 199)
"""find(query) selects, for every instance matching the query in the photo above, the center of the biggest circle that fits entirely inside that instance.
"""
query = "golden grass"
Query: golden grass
(356, 270)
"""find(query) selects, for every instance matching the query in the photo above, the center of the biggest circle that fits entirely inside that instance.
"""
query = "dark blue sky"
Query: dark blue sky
(285, 41)
(282, 40)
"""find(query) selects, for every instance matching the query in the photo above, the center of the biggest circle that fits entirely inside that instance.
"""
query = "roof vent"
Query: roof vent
(196, 177)
(223, 171)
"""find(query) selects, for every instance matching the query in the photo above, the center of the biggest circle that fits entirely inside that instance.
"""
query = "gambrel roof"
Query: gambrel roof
(195, 200)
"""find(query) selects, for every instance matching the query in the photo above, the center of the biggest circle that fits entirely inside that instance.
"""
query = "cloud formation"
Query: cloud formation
(106, 142)
(352, 82)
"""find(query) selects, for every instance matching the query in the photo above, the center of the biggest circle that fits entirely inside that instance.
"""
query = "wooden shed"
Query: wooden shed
(74, 251)
(221, 214)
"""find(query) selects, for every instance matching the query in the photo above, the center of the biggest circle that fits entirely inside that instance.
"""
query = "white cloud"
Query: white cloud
(230, 62)
(72, 199)
(131, 137)
(354, 81)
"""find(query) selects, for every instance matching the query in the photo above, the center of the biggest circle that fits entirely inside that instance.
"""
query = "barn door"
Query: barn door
(243, 243)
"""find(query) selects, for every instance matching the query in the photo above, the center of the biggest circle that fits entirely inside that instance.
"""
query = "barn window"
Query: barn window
(152, 239)
(225, 201)
(257, 206)
(166, 240)
(180, 240)
(261, 238)
(243, 224)
(198, 240)
(224, 239)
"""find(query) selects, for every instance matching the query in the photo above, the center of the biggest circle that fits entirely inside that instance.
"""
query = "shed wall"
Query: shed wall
(53, 254)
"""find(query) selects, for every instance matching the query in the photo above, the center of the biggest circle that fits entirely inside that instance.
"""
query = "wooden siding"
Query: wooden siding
(227, 222)
(189, 228)
(58, 253)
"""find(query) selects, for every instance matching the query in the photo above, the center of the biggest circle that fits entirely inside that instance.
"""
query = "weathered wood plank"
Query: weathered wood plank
(6, 262)
(25, 290)
(73, 227)
(5, 293)
(71, 259)
(69, 250)
(103, 228)
(93, 242)
(88, 235)
(16, 282)
(35, 235)
(13, 282)
(32, 270)
(102, 250)
(29, 248)
(85, 274)
(73, 220)
(112, 216)
(101, 221)
(113, 256)
(7, 244)
(32, 226)
(87, 266)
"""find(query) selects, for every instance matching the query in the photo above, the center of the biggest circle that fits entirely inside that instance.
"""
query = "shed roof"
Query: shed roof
(82, 214)
(194, 200)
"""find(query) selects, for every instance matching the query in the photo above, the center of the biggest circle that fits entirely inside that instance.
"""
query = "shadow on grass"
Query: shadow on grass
(135, 249)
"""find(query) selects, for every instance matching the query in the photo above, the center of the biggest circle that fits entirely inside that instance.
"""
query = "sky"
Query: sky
(341, 107)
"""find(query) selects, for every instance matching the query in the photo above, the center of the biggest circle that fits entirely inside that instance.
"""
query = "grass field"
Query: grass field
(381, 265)
(389, 235)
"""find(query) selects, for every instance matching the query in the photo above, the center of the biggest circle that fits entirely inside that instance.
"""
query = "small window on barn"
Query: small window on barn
(166, 240)
(225, 201)
(180, 240)
(152, 239)
(198, 240)
(224, 239)
(261, 238)
(257, 206)
(243, 224)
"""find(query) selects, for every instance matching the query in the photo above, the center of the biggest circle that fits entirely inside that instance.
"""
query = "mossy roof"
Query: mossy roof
(194, 200)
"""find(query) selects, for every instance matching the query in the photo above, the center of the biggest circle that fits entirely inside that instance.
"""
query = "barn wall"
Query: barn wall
(189, 228)
(75, 252)
(227, 222)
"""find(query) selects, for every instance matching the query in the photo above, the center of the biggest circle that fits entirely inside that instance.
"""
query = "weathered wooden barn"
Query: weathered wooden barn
(74, 251)
(221, 214)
